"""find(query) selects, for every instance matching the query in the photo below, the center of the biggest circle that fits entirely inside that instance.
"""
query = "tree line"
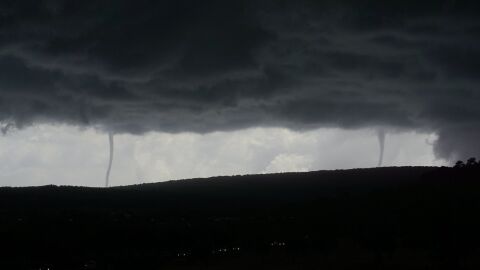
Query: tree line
(470, 163)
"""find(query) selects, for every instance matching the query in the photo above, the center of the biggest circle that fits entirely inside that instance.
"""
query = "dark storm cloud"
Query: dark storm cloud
(137, 66)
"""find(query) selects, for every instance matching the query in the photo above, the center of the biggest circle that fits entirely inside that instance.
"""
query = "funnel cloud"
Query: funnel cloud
(381, 141)
(110, 160)
(5, 128)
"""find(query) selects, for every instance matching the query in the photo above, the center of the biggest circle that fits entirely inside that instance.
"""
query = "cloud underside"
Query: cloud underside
(201, 66)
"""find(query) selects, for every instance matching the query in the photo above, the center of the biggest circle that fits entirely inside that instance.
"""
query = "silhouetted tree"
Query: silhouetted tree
(459, 164)
(471, 162)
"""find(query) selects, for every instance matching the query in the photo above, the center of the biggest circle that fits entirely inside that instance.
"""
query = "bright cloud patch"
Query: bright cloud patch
(66, 155)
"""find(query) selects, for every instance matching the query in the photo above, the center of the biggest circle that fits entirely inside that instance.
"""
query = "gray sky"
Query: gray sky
(66, 155)
(176, 66)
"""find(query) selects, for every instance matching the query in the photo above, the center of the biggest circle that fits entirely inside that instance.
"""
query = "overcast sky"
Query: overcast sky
(202, 74)
(65, 155)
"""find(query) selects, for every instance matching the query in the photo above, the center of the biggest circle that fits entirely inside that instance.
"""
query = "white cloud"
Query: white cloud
(66, 155)
(289, 163)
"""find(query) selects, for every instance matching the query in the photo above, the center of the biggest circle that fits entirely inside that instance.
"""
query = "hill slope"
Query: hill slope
(393, 218)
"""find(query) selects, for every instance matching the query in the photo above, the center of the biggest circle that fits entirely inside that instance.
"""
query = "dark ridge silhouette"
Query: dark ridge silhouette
(381, 218)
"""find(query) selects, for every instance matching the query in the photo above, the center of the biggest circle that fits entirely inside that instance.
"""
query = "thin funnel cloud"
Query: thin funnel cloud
(381, 141)
(6, 128)
(107, 177)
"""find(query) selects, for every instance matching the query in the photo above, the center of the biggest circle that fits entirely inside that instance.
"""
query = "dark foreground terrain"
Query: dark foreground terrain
(385, 218)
